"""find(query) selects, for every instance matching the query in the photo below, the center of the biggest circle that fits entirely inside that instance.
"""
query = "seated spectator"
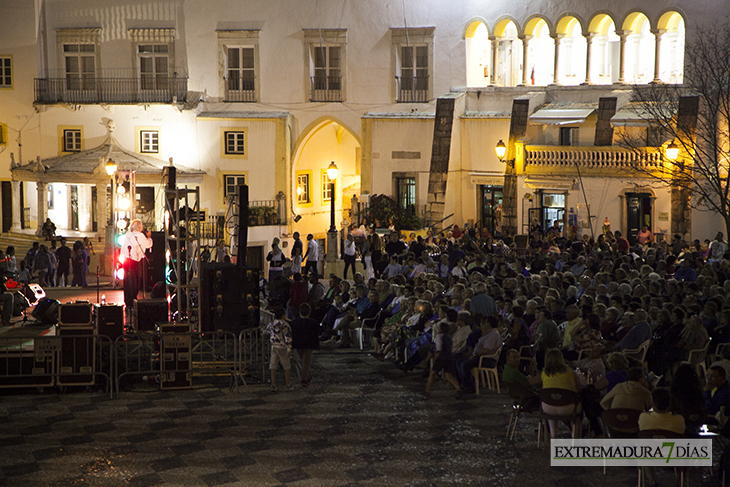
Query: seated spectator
(660, 419)
(618, 365)
(632, 394)
(686, 394)
(717, 391)
(354, 319)
(639, 331)
(557, 375)
(724, 362)
(488, 344)
(512, 375)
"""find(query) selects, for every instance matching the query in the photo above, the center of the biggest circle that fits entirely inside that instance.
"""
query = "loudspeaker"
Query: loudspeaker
(78, 356)
(110, 320)
(229, 299)
(150, 312)
(47, 311)
(155, 261)
(242, 233)
(145, 199)
(34, 293)
(75, 314)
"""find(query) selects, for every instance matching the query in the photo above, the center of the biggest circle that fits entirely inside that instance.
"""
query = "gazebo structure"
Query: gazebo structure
(85, 171)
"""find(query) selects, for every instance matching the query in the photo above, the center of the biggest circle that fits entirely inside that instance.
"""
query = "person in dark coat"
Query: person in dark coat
(305, 340)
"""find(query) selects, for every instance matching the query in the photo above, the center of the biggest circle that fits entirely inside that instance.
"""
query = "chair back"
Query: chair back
(517, 392)
(372, 321)
(528, 351)
(693, 420)
(620, 422)
(698, 356)
(494, 356)
(558, 397)
(658, 434)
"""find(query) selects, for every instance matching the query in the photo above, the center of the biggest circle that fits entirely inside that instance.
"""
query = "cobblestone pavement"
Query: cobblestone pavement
(360, 422)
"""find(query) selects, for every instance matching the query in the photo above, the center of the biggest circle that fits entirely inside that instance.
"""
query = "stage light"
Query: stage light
(120, 273)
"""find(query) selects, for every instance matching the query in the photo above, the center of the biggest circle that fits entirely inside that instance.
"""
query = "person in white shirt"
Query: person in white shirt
(134, 245)
(349, 255)
(312, 255)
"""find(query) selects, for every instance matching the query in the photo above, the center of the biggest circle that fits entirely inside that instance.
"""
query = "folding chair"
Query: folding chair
(520, 395)
(659, 435)
(489, 373)
(557, 398)
(363, 329)
(696, 358)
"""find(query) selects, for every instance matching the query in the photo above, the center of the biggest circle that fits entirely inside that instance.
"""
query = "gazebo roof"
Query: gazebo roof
(89, 166)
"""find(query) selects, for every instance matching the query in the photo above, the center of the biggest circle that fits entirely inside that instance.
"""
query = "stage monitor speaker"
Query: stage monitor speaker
(155, 261)
(78, 356)
(175, 352)
(150, 312)
(47, 311)
(75, 314)
(242, 233)
(110, 320)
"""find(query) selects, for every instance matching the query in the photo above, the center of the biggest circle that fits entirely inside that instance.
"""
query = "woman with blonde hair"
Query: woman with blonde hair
(557, 375)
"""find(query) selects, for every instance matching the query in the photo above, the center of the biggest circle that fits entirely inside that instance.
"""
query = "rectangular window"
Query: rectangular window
(80, 66)
(303, 189)
(232, 182)
(240, 74)
(569, 136)
(326, 187)
(406, 188)
(72, 140)
(327, 73)
(413, 79)
(6, 72)
(235, 143)
(153, 66)
(149, 141)
(3, 134)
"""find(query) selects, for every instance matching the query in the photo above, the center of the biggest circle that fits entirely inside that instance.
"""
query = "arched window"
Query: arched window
(541, 53)
(572, 57)
(605, 51)
(640, 45)
(508, 69)
(478, 56)
(671, 52)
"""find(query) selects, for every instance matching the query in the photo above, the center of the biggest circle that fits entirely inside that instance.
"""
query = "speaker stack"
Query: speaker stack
(229, 298)
(110, 320)
(78, 350)
(150, 312)
(155, 261)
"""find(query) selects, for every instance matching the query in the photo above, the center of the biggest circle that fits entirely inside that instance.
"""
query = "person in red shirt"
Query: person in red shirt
(621, 242)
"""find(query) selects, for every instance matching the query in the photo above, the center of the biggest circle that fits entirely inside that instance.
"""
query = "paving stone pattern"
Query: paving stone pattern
(360, 422)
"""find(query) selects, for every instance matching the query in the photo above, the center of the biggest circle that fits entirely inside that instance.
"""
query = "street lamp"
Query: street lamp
(672, 151)
(501, 150)
(332, 175)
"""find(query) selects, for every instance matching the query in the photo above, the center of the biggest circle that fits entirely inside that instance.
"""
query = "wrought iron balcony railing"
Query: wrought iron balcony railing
(241, 89)
(411, 89)
(325, 88)
(92, 90)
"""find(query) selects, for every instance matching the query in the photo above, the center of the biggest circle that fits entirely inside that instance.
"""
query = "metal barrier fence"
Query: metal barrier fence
(72, 358)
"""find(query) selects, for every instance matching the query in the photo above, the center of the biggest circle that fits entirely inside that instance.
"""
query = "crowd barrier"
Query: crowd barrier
(74, 358)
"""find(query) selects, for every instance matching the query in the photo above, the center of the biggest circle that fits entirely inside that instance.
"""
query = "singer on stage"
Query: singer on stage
(134, 245)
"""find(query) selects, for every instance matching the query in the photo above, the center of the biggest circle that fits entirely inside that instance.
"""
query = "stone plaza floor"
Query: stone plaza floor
(360, 422)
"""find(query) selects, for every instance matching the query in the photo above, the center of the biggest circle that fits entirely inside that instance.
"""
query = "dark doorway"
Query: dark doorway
(638, 214)
(491, 201)
(7, 199)
(553, 210)
(74, 196)
(255, 257)
(23, 216)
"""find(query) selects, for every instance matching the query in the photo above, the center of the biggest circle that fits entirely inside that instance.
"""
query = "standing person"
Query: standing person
(443, 359)
(8, 304)
(220, 252)
(276, 260)
(717, 248)
(297, 249)
(78, 262)
(30, 255)
(63, 256)
(312, 255)
(134, 244)
(367, 257)
(42, 265)
(89, 249)
(349, 255)
(281, 342)
(376, 249)
(305, 340)
(51, 276)
(12, 264)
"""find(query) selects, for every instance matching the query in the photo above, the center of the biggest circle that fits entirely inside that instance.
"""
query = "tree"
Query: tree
(692, 116)
(385, 210)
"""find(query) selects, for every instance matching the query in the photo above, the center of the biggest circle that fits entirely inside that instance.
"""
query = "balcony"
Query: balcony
(264, 212)
(112, 90)
(241, 89)
(325, 88)
(611, 158)
(411, 89)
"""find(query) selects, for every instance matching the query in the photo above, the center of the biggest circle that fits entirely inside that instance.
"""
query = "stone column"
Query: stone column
(495, 57)
(85, 204)
(42, 206)
(101, 209)
(556, 58)
(17, 207)
(657, 51)
(622, 55)
(525, 57)
(589, 45)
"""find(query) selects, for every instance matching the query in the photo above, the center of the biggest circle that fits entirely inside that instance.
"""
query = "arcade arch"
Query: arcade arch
(478, 55)
(670, 48)
(571, 45)
(540, 67)
(604, 51)
(507, 54)
(639, 45)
